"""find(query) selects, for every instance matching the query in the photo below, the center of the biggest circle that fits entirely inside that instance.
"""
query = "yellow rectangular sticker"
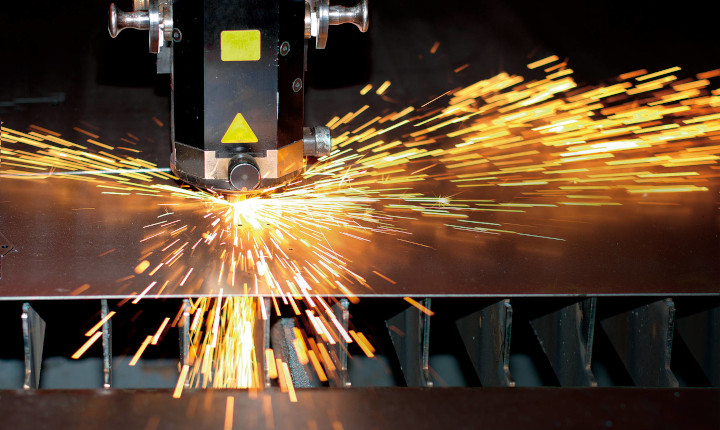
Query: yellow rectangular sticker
(240, 45)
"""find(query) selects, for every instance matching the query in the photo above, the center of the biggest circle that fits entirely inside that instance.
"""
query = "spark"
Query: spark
(417, 304)
(86, 345)
(181, 382)
(100, 323)
(382, 88)
(140, 350)
(229, 408)
(222, 350)
(541, 144)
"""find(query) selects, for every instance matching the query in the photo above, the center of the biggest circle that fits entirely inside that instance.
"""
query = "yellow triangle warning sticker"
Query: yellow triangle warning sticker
(239, 132)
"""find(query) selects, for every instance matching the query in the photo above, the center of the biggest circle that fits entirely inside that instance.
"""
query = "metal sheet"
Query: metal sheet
(60, 244)
(385, 408)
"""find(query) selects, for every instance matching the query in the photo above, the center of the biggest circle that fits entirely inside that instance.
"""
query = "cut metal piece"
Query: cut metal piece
(701, 331)
(566, 337)
(106, 344)
(486, 335)
(33, 327)
(410, 335)
(643, 337)
(6, 247)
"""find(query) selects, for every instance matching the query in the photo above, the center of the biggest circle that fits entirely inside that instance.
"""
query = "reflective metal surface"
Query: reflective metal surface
(388, 408)
(643, 339)
(487, 335)
(410, 334)
(61, 228)
(33, 327)
(566, 336)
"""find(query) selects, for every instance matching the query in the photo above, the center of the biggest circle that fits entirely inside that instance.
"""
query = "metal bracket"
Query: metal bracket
(566, 337)
(487, 334)
(643, 339)
(33, 327)
(164, 60)
(410, 335)
(6, 247)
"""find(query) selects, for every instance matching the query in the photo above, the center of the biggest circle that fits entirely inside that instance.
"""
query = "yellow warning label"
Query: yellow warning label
(240, 45)
(239, 132)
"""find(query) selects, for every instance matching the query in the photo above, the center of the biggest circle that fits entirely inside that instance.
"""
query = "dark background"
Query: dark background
(49, 47)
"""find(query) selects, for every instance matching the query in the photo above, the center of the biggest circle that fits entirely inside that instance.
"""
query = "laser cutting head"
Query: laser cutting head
(237, 84)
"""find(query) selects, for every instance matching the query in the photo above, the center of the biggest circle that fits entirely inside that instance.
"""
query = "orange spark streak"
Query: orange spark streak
(97, 326)
(361, 342)
(229, 412)
(289, 382)
(271, 365)
(140, 350)
(422, 308)
(159, 331)
(181, 382)
(86, 345)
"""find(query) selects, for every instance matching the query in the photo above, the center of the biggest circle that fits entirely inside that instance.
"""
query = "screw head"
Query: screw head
(297, 84)
(284, 48)
(176, 35)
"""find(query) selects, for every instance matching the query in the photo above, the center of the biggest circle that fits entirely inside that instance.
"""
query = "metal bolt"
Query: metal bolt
(297, 85)
(177, 35)
(284, 49)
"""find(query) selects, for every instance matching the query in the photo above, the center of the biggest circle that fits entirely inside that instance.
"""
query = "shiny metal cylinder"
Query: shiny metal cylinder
(119, 20)
(357, 15)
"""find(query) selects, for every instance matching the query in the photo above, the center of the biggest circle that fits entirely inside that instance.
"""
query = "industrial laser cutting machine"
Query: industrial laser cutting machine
(237, 84)
(616, 325)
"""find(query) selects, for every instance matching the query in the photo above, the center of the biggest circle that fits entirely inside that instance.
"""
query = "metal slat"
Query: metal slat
(261, 339)
(410, 334)
(282, 337)
(642, 337)
(566, 337)
(33, 327)
(338, 351)
(487, 334)
(106, 344)
(184, 337)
